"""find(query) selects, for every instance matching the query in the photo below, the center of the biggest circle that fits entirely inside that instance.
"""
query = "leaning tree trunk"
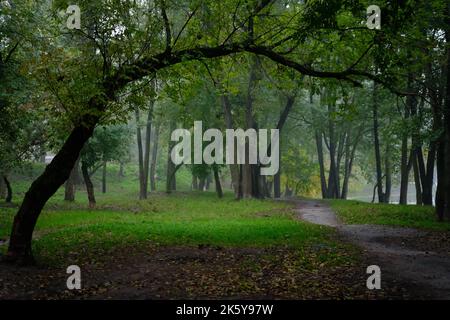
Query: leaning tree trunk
(89, 185)
(53, 177)
(8, 189)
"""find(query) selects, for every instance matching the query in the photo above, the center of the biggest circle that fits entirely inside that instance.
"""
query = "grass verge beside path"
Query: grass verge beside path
(357, 212)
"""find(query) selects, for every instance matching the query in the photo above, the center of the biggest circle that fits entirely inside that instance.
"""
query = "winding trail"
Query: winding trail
(388, 247)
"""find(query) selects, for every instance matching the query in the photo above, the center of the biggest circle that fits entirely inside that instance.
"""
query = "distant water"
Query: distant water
(367, 193)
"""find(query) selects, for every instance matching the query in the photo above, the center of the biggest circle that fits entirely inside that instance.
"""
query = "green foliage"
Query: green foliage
(107, 144)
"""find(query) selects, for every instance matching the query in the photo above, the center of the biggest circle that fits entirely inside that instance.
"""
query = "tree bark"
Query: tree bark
(281, 122)
(376, 139)
(142, 193)
(417, 181)
(171, 169)
(404, 171)
(70, 187)
(154, 158)
(104, 177)
(388, 171)
(9, 193)
(234, 168)
(89, 185)
(323, 182)
(2, 187)
(148, 135)
(217, 181)
(55, 174)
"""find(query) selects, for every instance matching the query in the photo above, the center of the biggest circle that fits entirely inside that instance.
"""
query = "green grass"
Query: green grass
(356, 212)
(197, 218)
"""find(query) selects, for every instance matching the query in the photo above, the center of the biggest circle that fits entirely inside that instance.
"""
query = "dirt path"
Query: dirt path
(401, 253)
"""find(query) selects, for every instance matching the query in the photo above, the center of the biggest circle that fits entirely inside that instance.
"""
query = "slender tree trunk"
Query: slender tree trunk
(121, 170)
(377, 146)
(332, 177)
(404, 171)
(440, 190)
(69, 193)
(2, 187)
(171, 169)
(234, 168)
(154, 158)
(249, 188)
(417, 182)
(202, 183)
(148, 136)
(217, 182)
(323, 182)
(388, 171)
(104, 177)
(89, 185)
(9, 194)
(427, 184)
(194, 182)
(142, 193)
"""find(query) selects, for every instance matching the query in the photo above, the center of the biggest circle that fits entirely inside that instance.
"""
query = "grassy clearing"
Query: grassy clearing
(356, 212)
(71, 231)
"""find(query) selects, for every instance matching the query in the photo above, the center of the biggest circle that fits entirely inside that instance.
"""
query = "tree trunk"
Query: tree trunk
(234, 168)
(404, 171)
(249, 189)
(148, 136)
(170, 176)
(89, 185)
(281, 122)
(323, 181)
(217, 181)
(121, 170)
(440, 190)
(417, 182)
(2, 187)
(70, 187)
(142, 193)
(377, 146)
(55, 174)
(194, 182)
(427, 183)
(388, 171)
(104, 177)
(446, 173)
(154, 158)
(9, 195)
